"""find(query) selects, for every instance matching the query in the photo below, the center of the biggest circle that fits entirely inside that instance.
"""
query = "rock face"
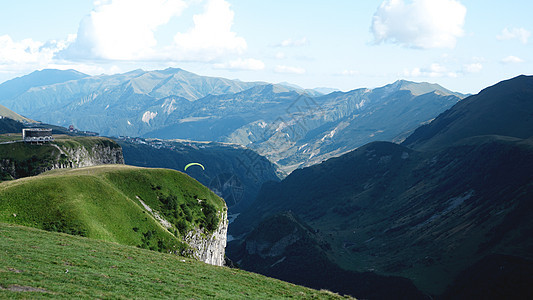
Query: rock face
(209, 248)
(23, 160)
(98, 154)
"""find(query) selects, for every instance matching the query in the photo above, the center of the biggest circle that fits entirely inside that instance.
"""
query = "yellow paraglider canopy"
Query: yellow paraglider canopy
(192, 164)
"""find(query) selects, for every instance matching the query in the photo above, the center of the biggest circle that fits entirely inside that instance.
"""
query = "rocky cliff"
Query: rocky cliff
(100, 153)
(209, 247)
(22, 160)
(203, 245)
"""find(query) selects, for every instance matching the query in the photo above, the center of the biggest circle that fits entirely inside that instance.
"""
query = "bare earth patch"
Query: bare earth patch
(14, 270)
(20, 288)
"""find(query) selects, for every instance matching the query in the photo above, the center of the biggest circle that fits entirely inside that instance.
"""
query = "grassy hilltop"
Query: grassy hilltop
(103, 203)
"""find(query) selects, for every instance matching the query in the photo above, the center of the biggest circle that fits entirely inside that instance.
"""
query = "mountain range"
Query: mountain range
(292, 127)
(408, 190)
(454, 197)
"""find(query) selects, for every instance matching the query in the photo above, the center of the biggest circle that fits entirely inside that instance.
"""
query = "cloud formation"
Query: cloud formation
(122, 29)
(25, 51)
(348, 73)
(520, 34)
(293, 43)
(125, 30)
(421, 24)
(434, 70)
(211, 37)
(26, 54)
(473, 68)
(512, 60)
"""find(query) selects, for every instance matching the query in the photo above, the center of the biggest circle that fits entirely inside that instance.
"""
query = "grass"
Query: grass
(42, 264)
(10, 137)
(103, 203)
(32, 159)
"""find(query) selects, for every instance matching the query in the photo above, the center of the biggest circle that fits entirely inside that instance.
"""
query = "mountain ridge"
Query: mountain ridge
(503, 109)
(16, 86)
(424, 213)
(292, 127)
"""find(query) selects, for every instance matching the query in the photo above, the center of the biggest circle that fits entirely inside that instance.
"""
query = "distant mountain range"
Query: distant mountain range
(291, 126)
(17, 86)
(457, 192)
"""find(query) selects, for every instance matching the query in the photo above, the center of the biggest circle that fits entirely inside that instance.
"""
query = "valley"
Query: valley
(225, 149)
(399, 191)
(411, 210)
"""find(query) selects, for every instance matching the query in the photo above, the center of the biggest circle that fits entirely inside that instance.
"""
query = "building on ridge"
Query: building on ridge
(37, 135)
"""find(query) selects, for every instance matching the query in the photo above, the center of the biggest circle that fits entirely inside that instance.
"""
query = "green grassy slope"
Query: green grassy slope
(38, 264)
(103, 203)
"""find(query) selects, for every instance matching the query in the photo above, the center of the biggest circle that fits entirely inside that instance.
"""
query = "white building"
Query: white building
(37, 135)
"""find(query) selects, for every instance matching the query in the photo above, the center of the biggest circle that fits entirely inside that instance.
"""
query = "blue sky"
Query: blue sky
(346, 44)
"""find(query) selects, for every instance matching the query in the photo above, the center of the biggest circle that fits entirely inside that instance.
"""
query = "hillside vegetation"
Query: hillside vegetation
(23, 159)
(39, 264)
(104, 202)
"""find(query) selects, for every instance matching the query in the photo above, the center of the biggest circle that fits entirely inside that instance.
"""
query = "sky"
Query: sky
(463, 45)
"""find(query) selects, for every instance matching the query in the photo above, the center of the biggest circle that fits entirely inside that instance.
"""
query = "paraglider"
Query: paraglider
(194, 164)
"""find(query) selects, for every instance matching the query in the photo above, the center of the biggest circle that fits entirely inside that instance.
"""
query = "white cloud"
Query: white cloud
(433, 71)
(125, 30)
(293, 43)
(512, 60)
(280, 55)
(419, 23)
(514, 33)
(473, 68)
(122, 29)
(28, 51)
(211, 37)
(289, 70)
(348, 73)
(249, 64)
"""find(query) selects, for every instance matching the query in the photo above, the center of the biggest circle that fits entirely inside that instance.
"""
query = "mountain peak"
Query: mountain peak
(16, 86)
(420, 88)
(170, 71)
(135, 72)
